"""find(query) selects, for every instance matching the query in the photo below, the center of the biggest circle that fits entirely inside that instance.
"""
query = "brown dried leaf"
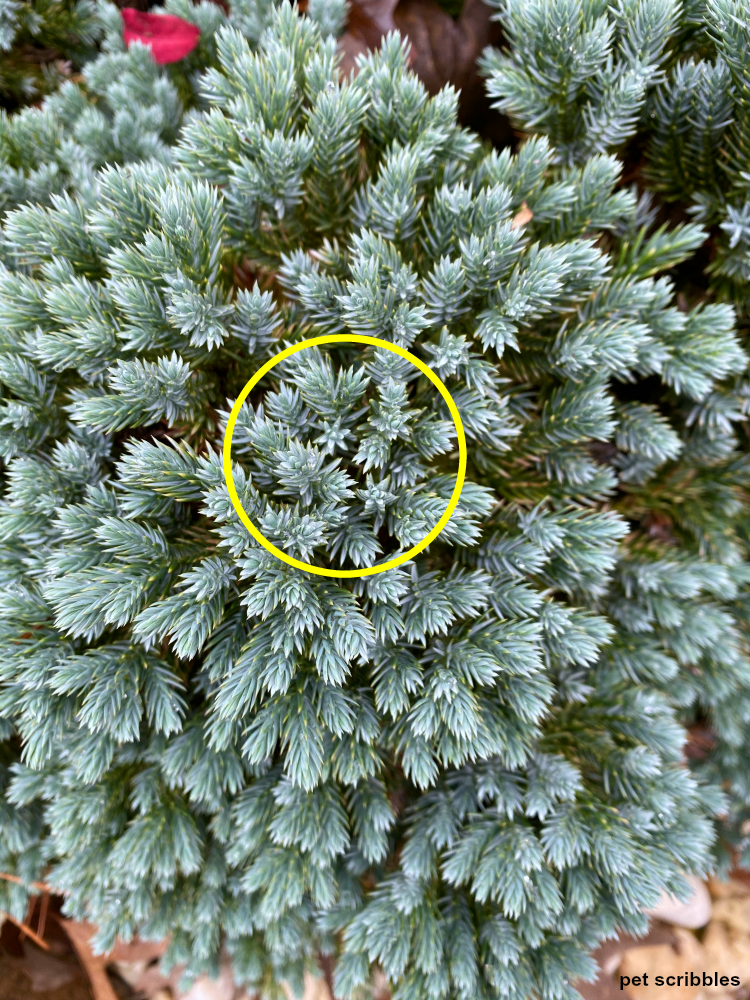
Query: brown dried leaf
(44, 971)
(442, 50)
(694, 913)
(349, 47)
(370, 20)
(80, 934)
(727, 952)
(434, 39)
(662, 960)
(734, 913)
(522, 217)
(729, 889)
(700, 742)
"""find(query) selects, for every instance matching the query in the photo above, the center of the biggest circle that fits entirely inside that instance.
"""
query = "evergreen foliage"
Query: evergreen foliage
(467, 771)
(126, 109)
(696, 154)
(580, 72)
(592, 75)
(32, 33)
(701, 143)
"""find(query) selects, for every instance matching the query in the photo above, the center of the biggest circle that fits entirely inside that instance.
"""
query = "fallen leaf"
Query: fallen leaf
(379, 986)
(169, 37)
(612, 963)
(129, 972)
(446, 51)
(729, 889)
(727, 952)
(687, 946)
(701, 739)
(368, 23)
(434, 37)
(349, 47)
(443, 50)
(206, 988)
(734, 912)
(80, 934)
(662, 960)
(370, 20)
(696, 912)
(315, 989)
(137, 951)
(522, 217)
(44, 971)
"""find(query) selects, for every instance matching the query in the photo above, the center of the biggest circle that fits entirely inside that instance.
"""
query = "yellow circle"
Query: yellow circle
(345, 338)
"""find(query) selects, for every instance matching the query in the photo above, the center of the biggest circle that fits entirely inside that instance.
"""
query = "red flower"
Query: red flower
(169, 38)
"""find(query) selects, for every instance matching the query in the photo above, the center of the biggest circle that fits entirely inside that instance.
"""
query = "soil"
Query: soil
(29, 972)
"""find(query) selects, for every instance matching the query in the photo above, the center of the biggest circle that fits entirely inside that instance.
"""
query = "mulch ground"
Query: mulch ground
(27, 971)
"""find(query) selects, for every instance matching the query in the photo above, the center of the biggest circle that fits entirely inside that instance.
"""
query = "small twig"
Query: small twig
(28, 932)
(29, 914)
(41, 886)
(93, 965)
(325, 965)
(42, 915)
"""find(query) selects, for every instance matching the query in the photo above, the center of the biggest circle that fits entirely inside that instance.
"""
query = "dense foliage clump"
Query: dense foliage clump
(40, 42)
(125, 108)
(673, 103)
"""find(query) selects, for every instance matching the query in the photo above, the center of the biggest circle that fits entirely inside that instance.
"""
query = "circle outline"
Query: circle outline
(344, 338)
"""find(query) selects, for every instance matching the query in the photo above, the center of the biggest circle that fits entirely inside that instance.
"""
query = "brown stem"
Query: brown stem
(79, 934)
(41, 886)
(29, 914)
(42, 915)
(325, 963)
(27, 931)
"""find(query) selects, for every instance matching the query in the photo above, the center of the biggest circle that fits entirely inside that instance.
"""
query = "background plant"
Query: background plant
(685, 148)
(125, 108)
(38, 43)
